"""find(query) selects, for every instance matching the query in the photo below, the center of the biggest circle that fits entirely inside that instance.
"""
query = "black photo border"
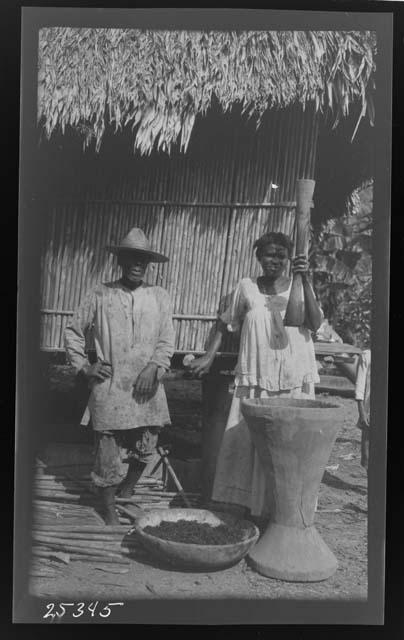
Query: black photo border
(200, 612)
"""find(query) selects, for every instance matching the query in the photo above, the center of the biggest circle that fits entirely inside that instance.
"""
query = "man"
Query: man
(134, 341)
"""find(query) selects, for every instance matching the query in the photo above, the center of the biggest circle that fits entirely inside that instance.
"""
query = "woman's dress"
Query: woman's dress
(273, 361)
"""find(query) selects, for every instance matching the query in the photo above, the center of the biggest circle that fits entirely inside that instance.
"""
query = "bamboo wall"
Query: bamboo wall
(201, 209)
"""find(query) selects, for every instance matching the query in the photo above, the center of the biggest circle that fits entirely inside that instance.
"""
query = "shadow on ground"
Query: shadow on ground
(337, 483)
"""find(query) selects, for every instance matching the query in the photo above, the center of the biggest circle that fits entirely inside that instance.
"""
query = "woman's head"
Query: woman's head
(273, 250)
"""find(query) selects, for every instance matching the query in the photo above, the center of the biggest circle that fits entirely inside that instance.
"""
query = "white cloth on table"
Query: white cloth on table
(362, 385)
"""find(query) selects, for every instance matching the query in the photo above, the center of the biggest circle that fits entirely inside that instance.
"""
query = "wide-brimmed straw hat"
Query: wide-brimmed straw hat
(137, 241)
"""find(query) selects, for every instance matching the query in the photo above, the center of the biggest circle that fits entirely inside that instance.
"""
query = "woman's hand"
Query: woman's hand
(200, 366)
(300, 264)
(146, 380)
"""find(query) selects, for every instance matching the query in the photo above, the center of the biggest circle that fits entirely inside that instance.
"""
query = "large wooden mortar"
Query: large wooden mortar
(293, 439)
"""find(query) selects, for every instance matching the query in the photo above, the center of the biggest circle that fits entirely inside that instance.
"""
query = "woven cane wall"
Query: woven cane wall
(204, 210)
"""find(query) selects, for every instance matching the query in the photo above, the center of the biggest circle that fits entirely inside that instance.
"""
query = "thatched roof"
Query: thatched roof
(157, 82)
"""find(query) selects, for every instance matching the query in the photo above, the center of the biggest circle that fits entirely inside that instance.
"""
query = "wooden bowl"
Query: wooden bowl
(195, 556)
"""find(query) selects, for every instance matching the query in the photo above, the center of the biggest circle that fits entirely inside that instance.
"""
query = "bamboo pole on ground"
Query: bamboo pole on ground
(89, 550)
(99, 559)
(78, 537)
(88, 543)
(84, 529)
(44, 553)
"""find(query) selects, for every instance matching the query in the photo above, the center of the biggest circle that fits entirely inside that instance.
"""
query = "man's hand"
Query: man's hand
(97, 372)
(300, 265)
(363, 422)
(200, 366)
(146, 380)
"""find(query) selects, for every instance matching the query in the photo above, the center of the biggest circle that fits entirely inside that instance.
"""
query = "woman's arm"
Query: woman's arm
(313, 314)
(229, 321)
(200, 366)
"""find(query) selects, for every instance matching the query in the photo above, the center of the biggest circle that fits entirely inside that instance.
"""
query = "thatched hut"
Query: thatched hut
(197, 137)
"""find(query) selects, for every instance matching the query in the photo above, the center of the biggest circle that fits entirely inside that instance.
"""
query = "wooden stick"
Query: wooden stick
(49, 485)
(54, 504)
(70, 535)
(174, 477)
(62, 485)
(41, 553)
(127, 512)
(114, 548)
(88, 543)
(69, 528)
(74, 548)
(99, 559)
(44, 573)
(50, 493)
(67, 513)
(84, 485)
(89, 500)
(147, 497)
(60, 480)
(295, 311)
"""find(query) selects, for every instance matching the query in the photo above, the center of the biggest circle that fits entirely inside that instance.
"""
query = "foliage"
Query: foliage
(158, 82)
(341, 260)
(354, 316)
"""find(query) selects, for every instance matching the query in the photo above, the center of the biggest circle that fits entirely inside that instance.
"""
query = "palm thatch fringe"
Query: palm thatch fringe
(158, 82)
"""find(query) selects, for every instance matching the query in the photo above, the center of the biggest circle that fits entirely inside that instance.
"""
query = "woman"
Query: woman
(273, 360)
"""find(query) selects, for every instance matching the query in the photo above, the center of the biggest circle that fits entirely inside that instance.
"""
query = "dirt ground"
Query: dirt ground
(341, 519)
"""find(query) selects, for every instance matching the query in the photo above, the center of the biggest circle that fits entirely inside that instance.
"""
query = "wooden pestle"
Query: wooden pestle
(295, 311)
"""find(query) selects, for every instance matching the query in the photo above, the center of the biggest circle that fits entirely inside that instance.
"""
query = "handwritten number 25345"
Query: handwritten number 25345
(79, 609)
